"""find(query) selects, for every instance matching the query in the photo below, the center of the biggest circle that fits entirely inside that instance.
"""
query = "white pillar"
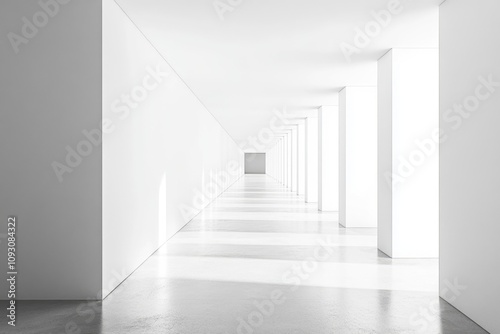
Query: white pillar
(270, 161)
(267, 162)
(280, 161)
(328, 158)
(293, 158)
(358, 157)
(286, 153)
(408, 166)
(277, 159)
(301, 160)
(270, 158)
(311, 170)
(289, 160)
(275, 163)
(275, 154)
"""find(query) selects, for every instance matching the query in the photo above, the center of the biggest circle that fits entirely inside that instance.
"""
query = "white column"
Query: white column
(293, 158)
(311, 170)
(301, 160)
(280, 160)
(289, 159)
(277, 159)
(272, 159)
(286, 151)
(275, 154)
(328, 158)
(408, 158)
(283, 161)
(267, 162)
(358, 157)
(275, 163)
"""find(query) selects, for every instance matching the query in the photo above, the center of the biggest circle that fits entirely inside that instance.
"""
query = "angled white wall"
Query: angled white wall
(165, 160)
(358, 157)
(469, 159)
(328, 158)
(408, 166)
(311, 170)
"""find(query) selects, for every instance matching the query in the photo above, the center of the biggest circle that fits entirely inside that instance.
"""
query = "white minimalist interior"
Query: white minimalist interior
(250, 167)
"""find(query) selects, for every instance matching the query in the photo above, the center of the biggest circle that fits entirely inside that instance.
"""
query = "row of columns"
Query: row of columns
(373, 157)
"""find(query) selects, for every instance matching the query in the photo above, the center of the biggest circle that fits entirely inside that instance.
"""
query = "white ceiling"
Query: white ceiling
(275, 54)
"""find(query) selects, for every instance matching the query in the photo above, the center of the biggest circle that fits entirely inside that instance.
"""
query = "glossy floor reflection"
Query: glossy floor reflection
(260, 260)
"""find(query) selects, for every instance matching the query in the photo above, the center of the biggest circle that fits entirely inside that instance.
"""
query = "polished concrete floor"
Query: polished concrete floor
(260, 260)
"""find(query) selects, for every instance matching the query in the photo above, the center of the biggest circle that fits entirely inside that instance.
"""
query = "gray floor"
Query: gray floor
(260, 260)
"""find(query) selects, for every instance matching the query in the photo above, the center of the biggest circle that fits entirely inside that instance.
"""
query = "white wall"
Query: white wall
(469, 159)
(255, 163)
(328, 158)
(51, 91)
(408, 157)
(358, 157)
(160, 160)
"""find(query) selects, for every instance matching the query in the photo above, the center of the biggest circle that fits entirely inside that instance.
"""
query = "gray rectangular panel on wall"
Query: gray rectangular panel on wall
(255, 163)
(56, 195)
